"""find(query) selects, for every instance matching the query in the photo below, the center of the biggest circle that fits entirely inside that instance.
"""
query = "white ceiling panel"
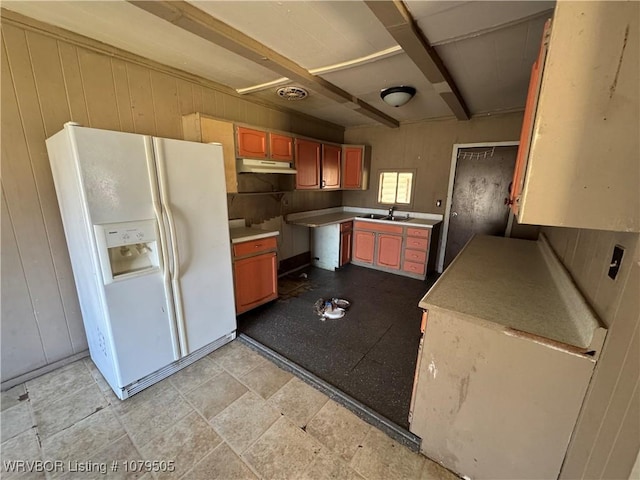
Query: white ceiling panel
(487, 46)
(426, 104)
(441, 21)
(316, 106)
(492, 70)
(313, 34)
(125, 26)
(374, 76)
(366, 82)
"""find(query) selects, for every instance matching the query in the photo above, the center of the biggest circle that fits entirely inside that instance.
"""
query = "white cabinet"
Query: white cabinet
(583, 163)
(508, 350)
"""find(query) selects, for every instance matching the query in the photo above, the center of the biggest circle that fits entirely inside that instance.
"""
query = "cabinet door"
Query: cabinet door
(307, 165)
(352, 159)
(331, 167)
(389, 249)
(280, 147)
(363, 246)
(345, 247)
(535, 82)
(256, 281)
(252, 143)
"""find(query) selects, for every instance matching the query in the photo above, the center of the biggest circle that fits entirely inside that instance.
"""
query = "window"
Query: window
(395, 187)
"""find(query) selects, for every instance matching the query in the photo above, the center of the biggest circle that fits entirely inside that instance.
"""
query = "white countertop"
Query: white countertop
(247, 234)
(329, 216)
(517, 284)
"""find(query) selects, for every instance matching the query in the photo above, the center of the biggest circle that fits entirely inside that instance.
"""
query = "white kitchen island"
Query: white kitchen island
(508, 351)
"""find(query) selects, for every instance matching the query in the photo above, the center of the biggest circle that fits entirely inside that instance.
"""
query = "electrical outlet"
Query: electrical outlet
(616, 260)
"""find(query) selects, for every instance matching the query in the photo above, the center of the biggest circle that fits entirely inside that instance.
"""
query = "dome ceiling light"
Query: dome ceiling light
(397, 96)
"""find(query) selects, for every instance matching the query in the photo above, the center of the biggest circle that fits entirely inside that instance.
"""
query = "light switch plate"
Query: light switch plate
(616, 260)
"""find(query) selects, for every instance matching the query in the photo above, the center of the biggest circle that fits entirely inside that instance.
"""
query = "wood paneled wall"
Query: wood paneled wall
(606, 440)
(49, 77)
(427, 147)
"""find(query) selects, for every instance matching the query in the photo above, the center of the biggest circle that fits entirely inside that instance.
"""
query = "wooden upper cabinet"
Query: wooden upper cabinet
(581, 167)
(331, 167)
(527, 123)
(251, 143)
(354, 167)
(307, 164)
(280, 147)
(197, 127)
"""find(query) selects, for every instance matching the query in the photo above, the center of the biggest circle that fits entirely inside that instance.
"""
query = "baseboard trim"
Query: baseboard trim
(25, 377)
(394, 431)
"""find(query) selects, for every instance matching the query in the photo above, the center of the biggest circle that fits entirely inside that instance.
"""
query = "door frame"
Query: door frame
(447, 209)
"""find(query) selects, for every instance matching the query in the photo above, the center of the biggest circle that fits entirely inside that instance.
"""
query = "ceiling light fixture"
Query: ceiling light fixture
(397, 96)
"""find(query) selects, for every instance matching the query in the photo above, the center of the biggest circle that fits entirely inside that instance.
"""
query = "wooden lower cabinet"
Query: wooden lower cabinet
(391, 247)
(346, 235)
(363, 246)
(416, 251)
(389, 251)
(256, 274)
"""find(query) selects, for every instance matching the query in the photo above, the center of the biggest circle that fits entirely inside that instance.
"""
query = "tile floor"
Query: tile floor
(231, 415)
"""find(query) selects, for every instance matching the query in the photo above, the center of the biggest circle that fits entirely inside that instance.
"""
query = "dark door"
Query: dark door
(480, 186)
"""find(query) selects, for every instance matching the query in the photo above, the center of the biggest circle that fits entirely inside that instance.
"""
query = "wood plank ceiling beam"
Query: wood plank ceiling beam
(400, 24)
(194, 20)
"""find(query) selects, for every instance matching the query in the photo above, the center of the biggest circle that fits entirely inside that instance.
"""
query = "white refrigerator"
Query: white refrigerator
(145, 220)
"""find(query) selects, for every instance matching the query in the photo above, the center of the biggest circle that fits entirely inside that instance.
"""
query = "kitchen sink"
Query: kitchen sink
(391, 218)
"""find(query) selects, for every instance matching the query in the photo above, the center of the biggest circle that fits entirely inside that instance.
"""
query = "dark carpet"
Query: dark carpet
(370, 353)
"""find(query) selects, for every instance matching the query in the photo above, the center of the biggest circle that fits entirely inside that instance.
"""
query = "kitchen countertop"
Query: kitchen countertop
(518, 284)
(321, 218)
(247, 234)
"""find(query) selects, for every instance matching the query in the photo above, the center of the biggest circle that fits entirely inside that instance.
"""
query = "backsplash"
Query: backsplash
(605, 442)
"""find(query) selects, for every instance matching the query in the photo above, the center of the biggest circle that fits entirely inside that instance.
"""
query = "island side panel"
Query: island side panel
(489, 405)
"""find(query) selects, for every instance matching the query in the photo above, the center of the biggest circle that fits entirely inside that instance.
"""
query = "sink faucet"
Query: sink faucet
(391, 211)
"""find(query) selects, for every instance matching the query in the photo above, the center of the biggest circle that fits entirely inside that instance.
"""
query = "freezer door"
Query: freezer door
(114, 174)
(193, 194)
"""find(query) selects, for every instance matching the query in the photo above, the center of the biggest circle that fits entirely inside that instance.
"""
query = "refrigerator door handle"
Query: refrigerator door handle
(175, 276)
(165, 261)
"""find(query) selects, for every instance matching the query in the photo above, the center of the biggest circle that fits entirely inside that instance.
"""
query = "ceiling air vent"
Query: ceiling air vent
(292, 93)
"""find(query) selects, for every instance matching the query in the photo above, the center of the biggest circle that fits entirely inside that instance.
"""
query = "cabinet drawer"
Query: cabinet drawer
(417, 232)
(417, 243)
(377, 227)
(413, 267)
(346, 226)
(419, 256)
(254, 247)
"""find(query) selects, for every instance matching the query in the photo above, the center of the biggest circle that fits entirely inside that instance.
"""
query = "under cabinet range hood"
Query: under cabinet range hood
(248, 165)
